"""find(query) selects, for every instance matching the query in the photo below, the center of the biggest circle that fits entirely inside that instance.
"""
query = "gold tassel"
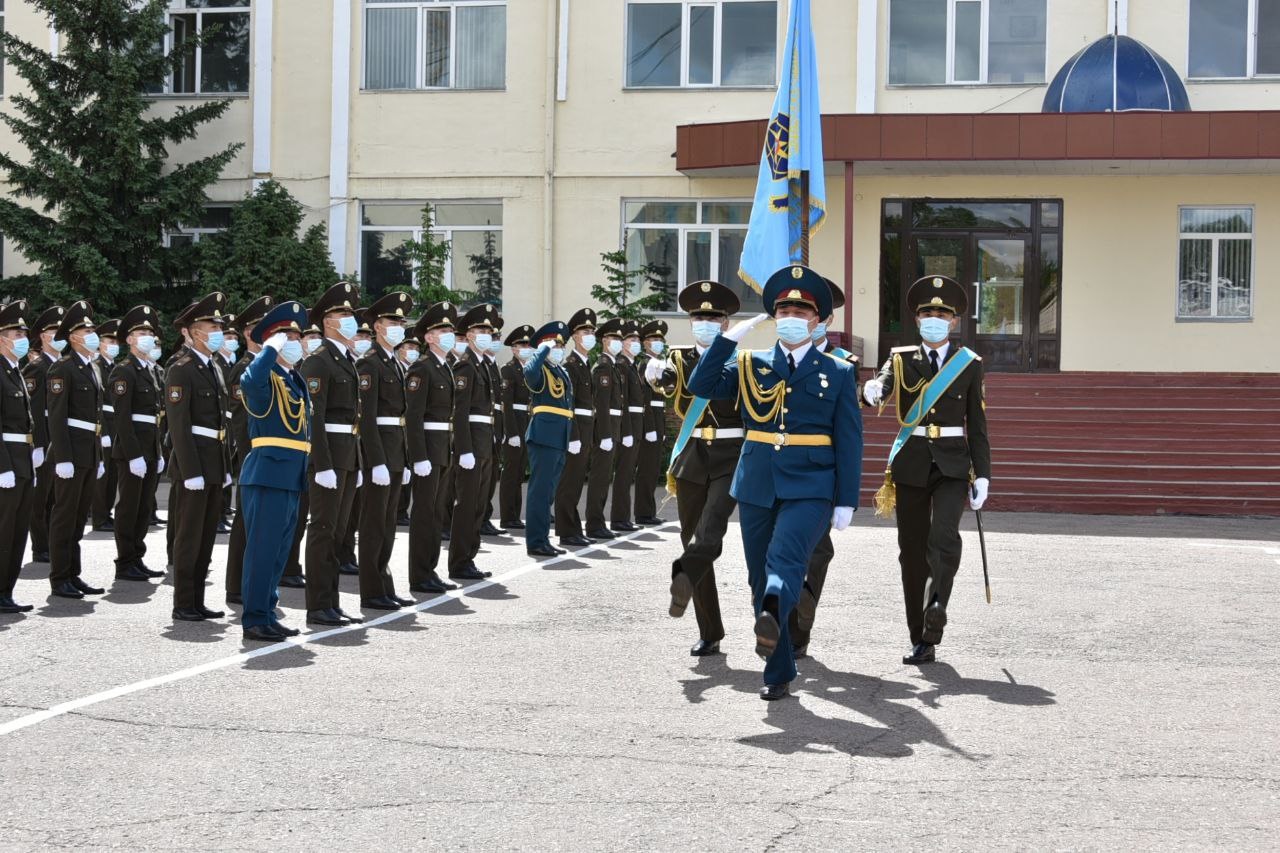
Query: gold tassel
(887, 496)
(671, 484)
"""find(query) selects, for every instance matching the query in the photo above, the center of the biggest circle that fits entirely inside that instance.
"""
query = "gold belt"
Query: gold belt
(787, 439)
(287, 443)
(551, 410)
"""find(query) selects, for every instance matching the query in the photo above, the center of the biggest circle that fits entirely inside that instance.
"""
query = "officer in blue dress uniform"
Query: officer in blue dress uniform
(801, 463)
(547, 438)
(274, 474)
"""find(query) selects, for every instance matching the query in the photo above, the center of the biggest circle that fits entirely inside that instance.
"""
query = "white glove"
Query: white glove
(740, 329)
(651, 437)
(64, 470)
(381, 476)
(467, 461)
(359, 479)
(8, 480)
(195, 484)
(841, 517)
(277, 341)
(606, 444)
(514, 441)
(106, 441)
(978, 496)
(575, 447)
(327, 479)
(226, 480)
(102, 469)
(37, 457)
(654, 369)
(628, 441)
(423, 468)
(546, 345)
(873, 392)
(138, 467)
(406, 477)
(160, 465)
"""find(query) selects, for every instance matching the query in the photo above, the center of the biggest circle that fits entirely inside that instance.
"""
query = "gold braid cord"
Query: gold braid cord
(554, 385)
(753, 395)
(886, 499)
(292, 415)
(681, 399)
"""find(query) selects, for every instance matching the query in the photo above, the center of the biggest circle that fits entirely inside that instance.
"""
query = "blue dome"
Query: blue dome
(1116, 74)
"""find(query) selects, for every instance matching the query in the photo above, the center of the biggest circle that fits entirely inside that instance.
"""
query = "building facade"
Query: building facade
(547, 132)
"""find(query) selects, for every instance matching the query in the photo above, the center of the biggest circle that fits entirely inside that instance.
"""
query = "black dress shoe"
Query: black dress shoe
(223, 528)
(601, 533)
(806, 608)
(348, 569)
(774, 692)
(487, 529)
(935, 619)
(467, 573)
(576, 541)
(235, 598)
(187, 614)
(105, 527)
(132, 573)
(8, 605)
(263, 634)
(157, 521)
(428, 587)
(382, 602)
(681, 592)
(148, 571)
(210, 614)
(649, 520)
(445, 536)
(39, 556)
(358, 620)
(624, 527)
(281, 629)
(402, 521)
(403, 602)
(799, 652)
(767, 634)
(703, 648)
(512, 525)
(543, 551)
(293, 582)
(328, 616)
(920, 653)
(85, 588)
(67, 589)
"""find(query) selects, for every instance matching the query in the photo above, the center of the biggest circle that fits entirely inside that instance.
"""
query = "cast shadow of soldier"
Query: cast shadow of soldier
(899, 727)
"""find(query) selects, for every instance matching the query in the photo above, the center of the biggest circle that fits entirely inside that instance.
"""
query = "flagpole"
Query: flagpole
(804, 217)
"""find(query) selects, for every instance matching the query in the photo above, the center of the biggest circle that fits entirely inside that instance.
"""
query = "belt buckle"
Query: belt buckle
(709, 433)
(780, 439)
(933, 431)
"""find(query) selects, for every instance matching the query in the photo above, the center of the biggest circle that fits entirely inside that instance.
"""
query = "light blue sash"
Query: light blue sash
(935, 389)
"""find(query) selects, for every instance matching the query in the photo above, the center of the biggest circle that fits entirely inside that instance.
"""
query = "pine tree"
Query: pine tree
(425, 260)
(99, 185)
(487, 269)
(262, 252)
(617, 294)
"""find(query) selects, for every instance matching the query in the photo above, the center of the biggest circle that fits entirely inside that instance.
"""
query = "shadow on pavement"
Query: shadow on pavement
(493, 592)
(63, 608)
(295, 658)
(566, 565)
(208, 631)
(452, 607)
(130, 592)
(947, 682)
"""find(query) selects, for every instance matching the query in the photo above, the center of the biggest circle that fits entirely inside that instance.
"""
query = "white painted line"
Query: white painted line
(1266, 549)
(294, 642)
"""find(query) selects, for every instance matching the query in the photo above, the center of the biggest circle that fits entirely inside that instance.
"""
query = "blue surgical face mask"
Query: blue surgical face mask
(793, 330)
(215, 340)
(113, 352)
(231, 345)
(347, 327)
(460, 348)
(448, 340)
(91, 341)
(633, 347)
(291, 352)
(524, 353)
(395, 335)
(21, 346)
(362, 346)
(615, 346)
(819, 332)
(556, 355)
(483, 339)
(410, 356)
(58, 345)
(495, 347)
(146, 343)
(935, 329)
(155, 354)
(588, 342)
(312, 345)
(656, 347)
(705, 331)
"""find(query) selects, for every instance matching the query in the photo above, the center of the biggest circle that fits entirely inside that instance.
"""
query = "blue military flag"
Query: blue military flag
(792, 144)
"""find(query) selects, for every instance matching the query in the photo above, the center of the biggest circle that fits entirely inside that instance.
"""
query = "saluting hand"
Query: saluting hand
(277, 341)
(740, 329)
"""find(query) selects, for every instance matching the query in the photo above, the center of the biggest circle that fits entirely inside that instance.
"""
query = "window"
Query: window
(1215, 263)
(432, 44)
(938, 42)
(473, 230)
(214, 219)
(688, 241)
(221, 64)
(1234, 38)
(698, 43)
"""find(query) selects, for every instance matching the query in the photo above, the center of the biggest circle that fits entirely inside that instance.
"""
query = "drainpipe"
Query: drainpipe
(557, 71)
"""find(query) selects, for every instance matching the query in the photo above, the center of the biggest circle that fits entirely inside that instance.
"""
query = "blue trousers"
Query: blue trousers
(270, 516)
(778, 541)
(545, 465)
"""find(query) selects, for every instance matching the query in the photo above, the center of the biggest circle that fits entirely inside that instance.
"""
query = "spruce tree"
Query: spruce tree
(618, 294)
(487, 269)
(424, 262)
(96, 188)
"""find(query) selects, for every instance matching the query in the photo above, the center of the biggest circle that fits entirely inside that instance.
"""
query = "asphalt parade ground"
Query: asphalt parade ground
(1119, 692)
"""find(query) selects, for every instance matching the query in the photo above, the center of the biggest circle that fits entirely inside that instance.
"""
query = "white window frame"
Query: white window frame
(716, 47)
(420, 40)
(684, 229)
(1216, 240)
(1250, 48)
(179, 7)
(984, 48)
(444, 233)
(195, 233)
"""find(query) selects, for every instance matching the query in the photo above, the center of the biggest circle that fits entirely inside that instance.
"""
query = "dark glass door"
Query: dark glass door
(998, 327)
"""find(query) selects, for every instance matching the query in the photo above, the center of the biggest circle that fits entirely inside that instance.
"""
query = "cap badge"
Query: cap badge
(399, 312)
(937, 300)
(706, 287)
(937, 282)
(346, 288)
(706, 306)
(797, 272)
(795, 294)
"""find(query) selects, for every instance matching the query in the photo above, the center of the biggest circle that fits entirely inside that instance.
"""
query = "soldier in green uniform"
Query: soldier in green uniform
(200, 468)
(606, 384)
(582, 339)
(472, 442)
(137, 395)
(16, 471)
(312, 338)
(515, 420)
(490, 363)
(631, 390)
(943, 455)
(104, 488)
(36, 374)
(429, 419)
(649, 460)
